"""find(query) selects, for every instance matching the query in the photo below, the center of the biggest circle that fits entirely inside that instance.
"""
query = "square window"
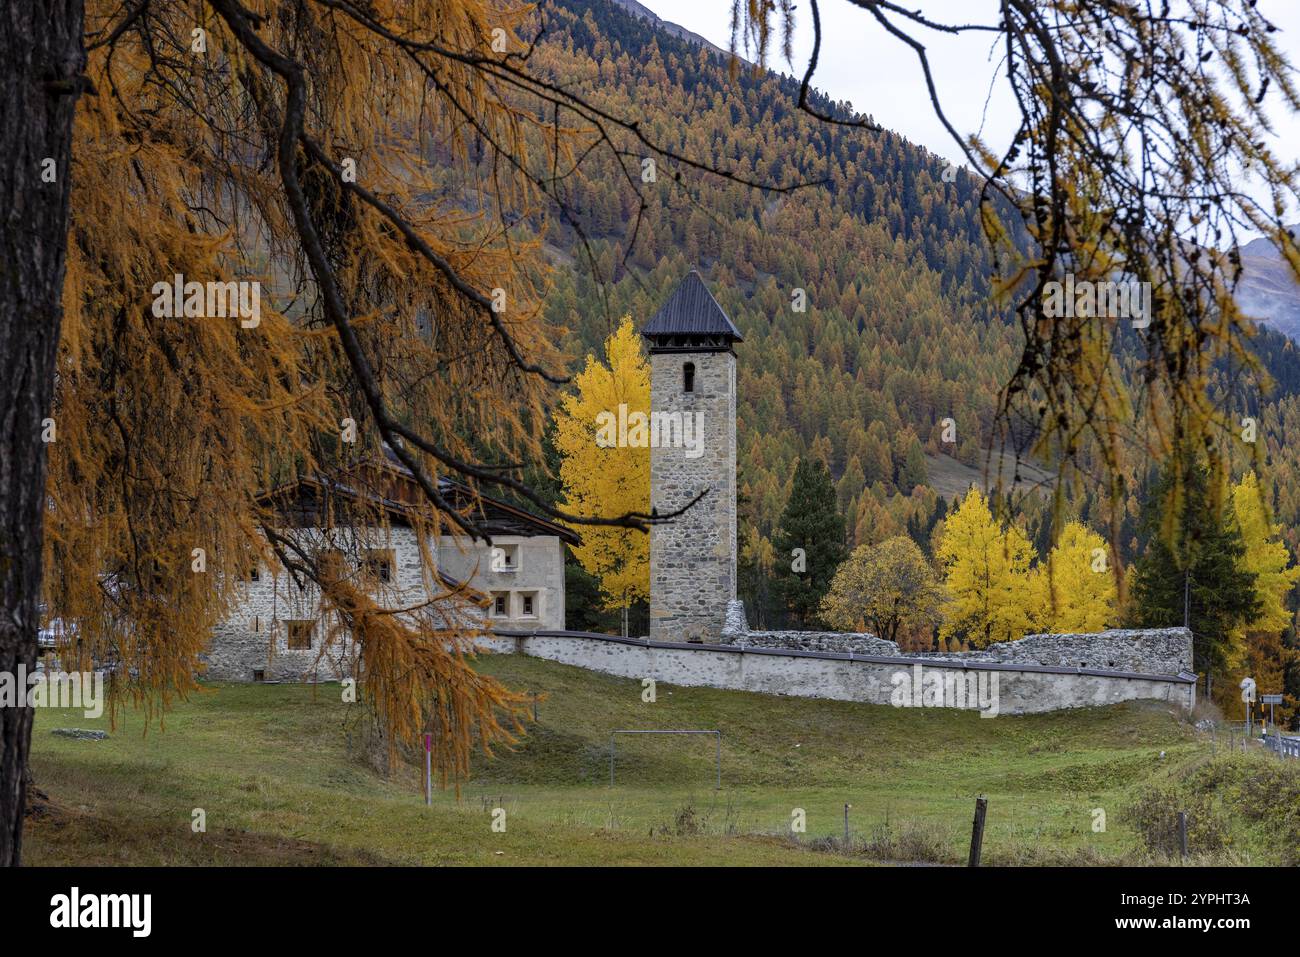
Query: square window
(300, 634)
(332, 562)
(504, 558)
(378, 564)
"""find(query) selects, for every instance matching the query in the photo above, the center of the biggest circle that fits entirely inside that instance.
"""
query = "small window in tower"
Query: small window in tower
(688, 377)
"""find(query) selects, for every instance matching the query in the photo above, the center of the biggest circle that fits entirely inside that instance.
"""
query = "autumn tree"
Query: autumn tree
(755, 565)
(1260, 648)
(809, 541)
(1265, 556)
(289, 142)
(987, 574)
(42, 47)
(602, 432)
(888, 588)
(283, 148)
(1078, 582)
(1135, 125)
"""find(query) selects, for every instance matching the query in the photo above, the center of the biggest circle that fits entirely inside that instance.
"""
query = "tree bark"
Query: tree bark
(42, 51)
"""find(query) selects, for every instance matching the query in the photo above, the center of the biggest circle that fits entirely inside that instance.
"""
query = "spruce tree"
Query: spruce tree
(1196, 572)
(809, 542)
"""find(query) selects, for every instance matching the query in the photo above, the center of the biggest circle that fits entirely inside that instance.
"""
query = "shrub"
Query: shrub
(1154, 816)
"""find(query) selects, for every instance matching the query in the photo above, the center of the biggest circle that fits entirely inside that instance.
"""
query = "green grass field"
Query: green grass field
(272, 768)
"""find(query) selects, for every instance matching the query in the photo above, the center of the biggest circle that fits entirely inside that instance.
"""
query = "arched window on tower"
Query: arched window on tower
(688, 377)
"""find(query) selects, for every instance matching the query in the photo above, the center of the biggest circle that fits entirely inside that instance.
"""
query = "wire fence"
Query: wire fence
(1242, 735)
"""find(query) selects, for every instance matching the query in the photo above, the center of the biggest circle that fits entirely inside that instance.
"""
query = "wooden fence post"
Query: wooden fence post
(977, 832)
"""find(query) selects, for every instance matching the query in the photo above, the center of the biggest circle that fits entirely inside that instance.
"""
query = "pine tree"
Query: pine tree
(809, 542)
(911, 470)
(1193, 568)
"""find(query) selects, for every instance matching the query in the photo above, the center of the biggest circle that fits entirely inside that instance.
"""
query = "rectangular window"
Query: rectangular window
(505, 558)
(378, 564)
(255, 574)
(501, 604)
(332, 562)
(528, 601)
(300, 634)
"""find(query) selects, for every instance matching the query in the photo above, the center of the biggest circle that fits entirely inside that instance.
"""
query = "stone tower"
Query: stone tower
(693, 390)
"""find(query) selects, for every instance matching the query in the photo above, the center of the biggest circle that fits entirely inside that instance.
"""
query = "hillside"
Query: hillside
(899, 332)
(271, 767)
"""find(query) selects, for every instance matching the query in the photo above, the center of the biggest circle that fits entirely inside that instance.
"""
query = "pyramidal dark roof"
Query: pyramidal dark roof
(691, 311)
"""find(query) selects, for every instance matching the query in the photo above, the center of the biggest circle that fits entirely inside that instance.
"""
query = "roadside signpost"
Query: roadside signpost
(1248, 697)
(1271, 700)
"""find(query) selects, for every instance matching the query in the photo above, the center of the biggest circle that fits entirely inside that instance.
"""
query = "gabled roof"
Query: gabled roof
(691, 310)
(499, 517)
(494, 515)
(304, 498)
(403, 500)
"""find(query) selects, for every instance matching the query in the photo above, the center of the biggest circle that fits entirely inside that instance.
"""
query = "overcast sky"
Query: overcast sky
(879, 75)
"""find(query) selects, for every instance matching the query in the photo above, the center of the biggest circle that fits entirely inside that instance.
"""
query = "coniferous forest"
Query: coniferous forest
(872, 341)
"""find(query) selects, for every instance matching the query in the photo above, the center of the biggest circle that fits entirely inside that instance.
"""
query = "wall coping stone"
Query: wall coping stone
(954, 663)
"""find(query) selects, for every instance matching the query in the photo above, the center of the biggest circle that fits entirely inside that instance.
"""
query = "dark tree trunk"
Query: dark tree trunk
(43, 59)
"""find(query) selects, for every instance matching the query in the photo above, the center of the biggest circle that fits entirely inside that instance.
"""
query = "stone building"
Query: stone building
(692, 389)
(374, 520)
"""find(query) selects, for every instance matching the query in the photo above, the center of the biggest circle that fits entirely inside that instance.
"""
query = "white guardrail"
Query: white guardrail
(1285, 747)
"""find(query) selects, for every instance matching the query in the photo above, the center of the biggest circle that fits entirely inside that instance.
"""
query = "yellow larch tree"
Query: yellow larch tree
(987, 571)
(602, 434)
(1267, 556)
(1258, 649)
(1077, 582)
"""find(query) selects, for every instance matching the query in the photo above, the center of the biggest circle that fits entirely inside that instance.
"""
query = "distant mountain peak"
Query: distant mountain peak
(645, 13)
(1268, 289)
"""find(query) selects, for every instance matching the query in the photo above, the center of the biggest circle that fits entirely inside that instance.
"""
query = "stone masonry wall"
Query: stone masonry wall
(844, 642)
(1161, 651)
(693, 557)
(255, 636)
(1152, 651)
(1011, 688)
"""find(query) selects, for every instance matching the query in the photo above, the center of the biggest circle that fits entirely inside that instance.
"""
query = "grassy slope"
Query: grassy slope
(270, 766)
(952, 479)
